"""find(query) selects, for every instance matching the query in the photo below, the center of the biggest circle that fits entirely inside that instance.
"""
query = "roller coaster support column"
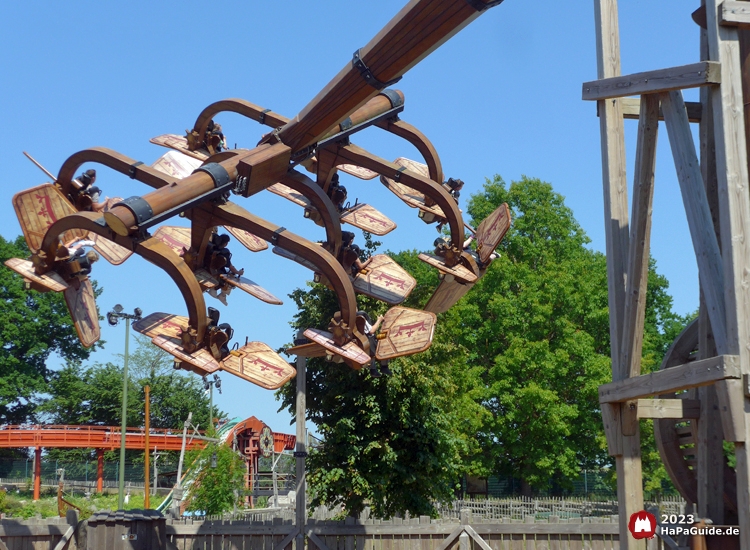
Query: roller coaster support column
(99, 471)
(146, 495)
(37, 472)
(301, 450)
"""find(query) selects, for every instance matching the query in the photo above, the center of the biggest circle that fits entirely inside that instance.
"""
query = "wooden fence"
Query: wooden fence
(41, 534)
(553, 533)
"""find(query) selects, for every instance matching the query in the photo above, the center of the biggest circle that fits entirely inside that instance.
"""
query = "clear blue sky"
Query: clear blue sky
(501, 97)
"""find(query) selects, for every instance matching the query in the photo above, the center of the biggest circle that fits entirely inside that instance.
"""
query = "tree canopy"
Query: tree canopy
(509, 385)
(33, 326)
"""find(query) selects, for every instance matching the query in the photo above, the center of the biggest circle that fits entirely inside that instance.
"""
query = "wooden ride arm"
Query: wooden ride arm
(325, 262)
(321, 202)
(418, 29)
(353, 154)
(419, 140)
(242, 107)
(107, 157)
(151, 249)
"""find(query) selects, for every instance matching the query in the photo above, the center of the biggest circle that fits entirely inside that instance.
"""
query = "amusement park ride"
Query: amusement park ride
(197, 178)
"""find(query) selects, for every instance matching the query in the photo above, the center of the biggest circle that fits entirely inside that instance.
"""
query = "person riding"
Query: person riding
(80, 262)
(219, 262)
(337, 193)
(370, 329)
(349, 255)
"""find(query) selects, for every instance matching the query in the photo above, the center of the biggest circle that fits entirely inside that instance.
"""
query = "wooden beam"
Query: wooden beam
(699, 219)
(669, 408)
(650, 82)
(734, 14)
(691, 375)
(614, 176)
(640, 236)
(631, 109)
(734, 205)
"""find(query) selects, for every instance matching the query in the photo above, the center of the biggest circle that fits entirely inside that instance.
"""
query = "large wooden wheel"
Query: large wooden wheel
(676, 438)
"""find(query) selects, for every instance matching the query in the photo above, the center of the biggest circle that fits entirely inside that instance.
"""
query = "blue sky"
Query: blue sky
(501, 97)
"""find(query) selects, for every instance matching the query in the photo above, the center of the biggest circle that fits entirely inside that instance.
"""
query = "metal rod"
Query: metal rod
(146, 496)
(301, 448)
(121, 480)
(42, 168)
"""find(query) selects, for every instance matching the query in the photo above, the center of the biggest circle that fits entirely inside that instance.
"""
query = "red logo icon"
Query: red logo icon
(642, 525)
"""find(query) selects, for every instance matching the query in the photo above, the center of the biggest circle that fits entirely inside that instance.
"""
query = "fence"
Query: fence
(399, 534)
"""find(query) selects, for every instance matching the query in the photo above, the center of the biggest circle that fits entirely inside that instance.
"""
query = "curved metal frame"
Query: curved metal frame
(239, 106)
(151, 249)
(419, 140)
(112, 159)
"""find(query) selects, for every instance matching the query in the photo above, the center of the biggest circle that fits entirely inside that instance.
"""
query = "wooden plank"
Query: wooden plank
(699, 219)
(734, 206)
(650, 82)
(640, 236)
(691, 375)
(669, 408)
(631, 109)
(734, 14)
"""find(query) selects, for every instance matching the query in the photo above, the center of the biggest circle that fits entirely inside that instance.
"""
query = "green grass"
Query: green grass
(21, 505)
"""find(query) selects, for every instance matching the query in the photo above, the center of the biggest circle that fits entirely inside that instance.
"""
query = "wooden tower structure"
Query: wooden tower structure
(701, 396)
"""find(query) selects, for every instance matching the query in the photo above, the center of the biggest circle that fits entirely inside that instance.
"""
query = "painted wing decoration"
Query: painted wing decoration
(165, 330)
(112, 252)
(362, 215)
(405, 331)
(259, 364)
(358, 171)
(178, 143)
(290, 256)
(447, 293)
(254, 289)
(491, 231)
(290, 194)
(38, 208)
(368, 219)
(385, 280)
(176, 238)
(248, 240)
(82, 306)
(176, 164)
(460, 272)
(42, 283)
(350, 351)
(413, 198)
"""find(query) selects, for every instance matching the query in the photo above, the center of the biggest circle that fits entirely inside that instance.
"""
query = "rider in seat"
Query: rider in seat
(366, 327)
(349, 254)
(219, 262)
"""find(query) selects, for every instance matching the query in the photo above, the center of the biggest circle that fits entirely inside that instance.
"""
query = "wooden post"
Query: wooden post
(146, 492)
(710, 451)
(301, 450)
(37, 472)
(99, 471)
(626, 448)
(734, 207)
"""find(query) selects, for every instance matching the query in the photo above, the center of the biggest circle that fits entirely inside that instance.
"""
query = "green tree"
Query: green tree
(218, 488)
(509, 386)
(33, 325)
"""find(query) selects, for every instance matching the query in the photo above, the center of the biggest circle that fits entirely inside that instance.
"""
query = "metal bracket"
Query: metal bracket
(262, 116)
(359, 64)
(217, 172)
(134, 169)
(393, 97)
(397, 175)
(346, 124)
(139, 207)
(275, 236)
(481, 6)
